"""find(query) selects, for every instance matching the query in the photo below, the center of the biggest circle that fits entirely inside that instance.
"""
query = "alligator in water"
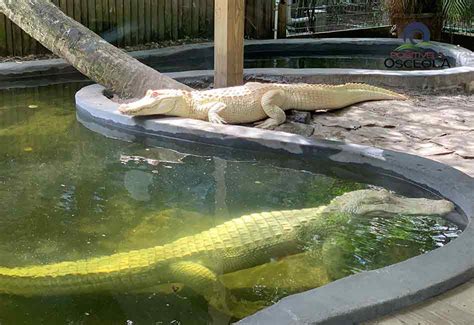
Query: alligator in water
(196, 261)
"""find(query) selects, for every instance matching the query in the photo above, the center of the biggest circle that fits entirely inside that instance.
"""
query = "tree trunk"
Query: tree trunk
(85, 50)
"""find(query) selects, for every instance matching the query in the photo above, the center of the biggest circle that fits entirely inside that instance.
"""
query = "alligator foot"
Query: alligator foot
(268, 124)
(234, 307)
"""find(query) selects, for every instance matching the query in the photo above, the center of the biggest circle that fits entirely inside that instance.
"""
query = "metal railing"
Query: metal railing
(306, 17)
(460, 27)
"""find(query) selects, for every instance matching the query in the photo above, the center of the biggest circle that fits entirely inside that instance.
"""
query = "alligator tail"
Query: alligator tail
(373, 92)
(106, 273)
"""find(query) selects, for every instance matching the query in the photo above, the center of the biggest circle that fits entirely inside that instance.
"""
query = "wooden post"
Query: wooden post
(282, 10)
(229, 42)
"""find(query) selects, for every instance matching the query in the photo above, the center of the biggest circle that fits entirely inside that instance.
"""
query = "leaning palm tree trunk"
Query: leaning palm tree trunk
(85, 50)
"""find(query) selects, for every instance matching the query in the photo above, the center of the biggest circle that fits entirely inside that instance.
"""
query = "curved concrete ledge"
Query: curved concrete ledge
(181, 58)
(355, 298)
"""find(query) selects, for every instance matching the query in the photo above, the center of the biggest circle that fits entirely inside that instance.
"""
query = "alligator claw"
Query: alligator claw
(216, 119)
(269, 124)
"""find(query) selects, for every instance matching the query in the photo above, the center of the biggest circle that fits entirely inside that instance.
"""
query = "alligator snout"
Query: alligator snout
(123, 108)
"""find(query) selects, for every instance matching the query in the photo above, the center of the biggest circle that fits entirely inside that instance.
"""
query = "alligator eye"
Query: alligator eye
(155, 94)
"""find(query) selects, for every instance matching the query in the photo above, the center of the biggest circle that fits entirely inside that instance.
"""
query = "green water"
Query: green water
(67, 193)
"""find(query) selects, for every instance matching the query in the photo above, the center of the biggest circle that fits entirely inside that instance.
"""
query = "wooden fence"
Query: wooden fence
(135, 22)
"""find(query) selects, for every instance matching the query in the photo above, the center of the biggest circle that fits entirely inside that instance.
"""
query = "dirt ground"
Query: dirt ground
(439, 126)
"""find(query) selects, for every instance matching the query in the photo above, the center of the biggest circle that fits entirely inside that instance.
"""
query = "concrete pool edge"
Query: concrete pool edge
(356, 298)
(433, 79)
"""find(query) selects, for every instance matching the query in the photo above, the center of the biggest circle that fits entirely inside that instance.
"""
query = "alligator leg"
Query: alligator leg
(206, 283)
(337, 251)
(213, 112)
(271, 103)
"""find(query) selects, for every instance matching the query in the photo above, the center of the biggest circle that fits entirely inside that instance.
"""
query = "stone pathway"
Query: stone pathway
(435, 126)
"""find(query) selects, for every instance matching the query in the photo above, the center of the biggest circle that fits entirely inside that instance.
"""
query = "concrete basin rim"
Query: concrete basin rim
(403, 284)
(308, 72)
(298, 43)
(459, 53)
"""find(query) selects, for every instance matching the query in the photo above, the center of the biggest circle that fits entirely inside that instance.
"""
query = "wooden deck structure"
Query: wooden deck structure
(454, 307)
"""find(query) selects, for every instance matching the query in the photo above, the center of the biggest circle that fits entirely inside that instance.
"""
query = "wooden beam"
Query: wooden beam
(282, 16)
(229, 42)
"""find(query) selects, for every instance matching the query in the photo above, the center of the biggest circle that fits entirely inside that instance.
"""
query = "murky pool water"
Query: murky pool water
(67, 193)
(345, 60)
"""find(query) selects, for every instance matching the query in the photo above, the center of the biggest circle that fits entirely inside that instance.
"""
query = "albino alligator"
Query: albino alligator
(196, 260)
(254, 101)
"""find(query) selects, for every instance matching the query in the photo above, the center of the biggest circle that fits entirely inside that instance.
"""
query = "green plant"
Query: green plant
(458, 10)
(451, 9)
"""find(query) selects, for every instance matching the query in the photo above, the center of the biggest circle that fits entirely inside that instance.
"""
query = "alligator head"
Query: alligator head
(382, 203)
(155, 102)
